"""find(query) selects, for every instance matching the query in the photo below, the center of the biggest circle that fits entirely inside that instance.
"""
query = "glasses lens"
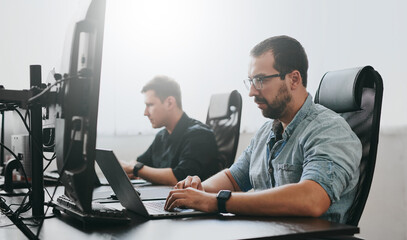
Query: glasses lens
(257, 83)
(247, 83)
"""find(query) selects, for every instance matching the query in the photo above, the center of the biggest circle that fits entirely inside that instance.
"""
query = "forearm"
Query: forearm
(163, 176)
(306, 198)
(221, 181)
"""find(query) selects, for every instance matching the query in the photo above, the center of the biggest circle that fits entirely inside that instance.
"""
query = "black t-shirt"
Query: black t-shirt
(191, 149)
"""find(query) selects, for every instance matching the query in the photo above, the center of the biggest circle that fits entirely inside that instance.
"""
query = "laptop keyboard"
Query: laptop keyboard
(157, 207)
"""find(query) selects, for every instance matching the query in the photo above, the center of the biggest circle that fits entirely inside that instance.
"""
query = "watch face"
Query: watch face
(224, 194)
(139, 165)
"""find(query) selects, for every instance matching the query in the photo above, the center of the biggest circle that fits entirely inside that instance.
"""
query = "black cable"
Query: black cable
(33, 99)
(54, 155)
(24, 121)
(49, 144)
(16, 157)
(17, 221)
(30, 134)
(7, 225)
(46, 190)
(8, 149)
(59, 179)
(23, 207)
(34, 219)
(49, 163)
(2, 140)
(27, 115)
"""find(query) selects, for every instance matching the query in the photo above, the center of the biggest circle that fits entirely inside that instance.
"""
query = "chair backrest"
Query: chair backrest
(223, 117)
(356, 94)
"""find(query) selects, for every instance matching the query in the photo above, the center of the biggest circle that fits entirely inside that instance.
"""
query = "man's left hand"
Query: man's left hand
(191, 198)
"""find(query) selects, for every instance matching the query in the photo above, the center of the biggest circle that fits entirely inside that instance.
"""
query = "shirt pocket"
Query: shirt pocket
(288, 173)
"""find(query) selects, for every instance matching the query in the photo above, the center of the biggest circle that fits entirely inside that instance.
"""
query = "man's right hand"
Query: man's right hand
(190, 181)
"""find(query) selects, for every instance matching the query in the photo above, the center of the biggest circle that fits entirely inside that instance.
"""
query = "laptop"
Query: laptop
(128, 196)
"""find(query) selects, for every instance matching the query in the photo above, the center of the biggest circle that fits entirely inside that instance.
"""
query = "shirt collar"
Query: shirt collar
(301, 114)
(180, 127)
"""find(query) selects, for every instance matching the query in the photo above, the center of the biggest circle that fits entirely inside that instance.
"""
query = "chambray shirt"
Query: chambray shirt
(317, 145)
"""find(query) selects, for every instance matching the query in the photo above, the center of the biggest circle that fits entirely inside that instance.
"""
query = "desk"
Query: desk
(202, 227)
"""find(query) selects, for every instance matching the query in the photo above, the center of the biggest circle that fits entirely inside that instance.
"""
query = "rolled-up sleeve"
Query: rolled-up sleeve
(331, 158)
(240, 169)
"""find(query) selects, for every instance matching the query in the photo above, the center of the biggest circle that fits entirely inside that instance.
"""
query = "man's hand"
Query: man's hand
(192, 182)
(191, 198)
(189, 193)
(128, 168)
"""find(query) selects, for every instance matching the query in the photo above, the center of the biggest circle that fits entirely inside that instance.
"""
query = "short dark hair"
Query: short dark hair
(164, 87)
(289, 55)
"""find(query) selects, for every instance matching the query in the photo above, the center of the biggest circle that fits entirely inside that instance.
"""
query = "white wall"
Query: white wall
(385, 214)
(204, 45)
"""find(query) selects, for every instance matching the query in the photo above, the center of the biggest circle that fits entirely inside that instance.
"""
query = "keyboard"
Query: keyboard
(155, 207)
(100, 214)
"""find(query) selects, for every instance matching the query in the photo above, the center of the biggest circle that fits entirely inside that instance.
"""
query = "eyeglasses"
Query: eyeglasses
(258, 81)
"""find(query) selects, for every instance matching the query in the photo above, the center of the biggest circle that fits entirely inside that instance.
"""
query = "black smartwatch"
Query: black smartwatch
(137, 167)
(223, 196)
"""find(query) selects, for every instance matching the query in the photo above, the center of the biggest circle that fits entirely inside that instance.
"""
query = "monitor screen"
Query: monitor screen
(77, 108)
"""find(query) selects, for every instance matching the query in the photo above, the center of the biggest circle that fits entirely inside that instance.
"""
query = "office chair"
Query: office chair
(356, 94)
(223, 118)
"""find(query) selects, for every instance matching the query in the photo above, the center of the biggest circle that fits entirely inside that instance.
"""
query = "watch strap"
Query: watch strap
(222, 197)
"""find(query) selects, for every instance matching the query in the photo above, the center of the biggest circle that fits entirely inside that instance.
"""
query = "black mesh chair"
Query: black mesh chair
(357, 95)
(223, 117)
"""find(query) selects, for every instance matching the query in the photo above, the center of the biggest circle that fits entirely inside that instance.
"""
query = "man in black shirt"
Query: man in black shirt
(184, 147)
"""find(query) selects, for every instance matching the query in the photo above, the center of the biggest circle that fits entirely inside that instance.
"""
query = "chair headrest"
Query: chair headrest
(341, 91)
(220, 105)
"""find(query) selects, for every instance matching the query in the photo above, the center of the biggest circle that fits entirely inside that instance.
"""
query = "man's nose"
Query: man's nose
(253, 91)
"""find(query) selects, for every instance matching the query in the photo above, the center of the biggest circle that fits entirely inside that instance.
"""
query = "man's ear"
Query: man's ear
(170, 102)
(295, 79)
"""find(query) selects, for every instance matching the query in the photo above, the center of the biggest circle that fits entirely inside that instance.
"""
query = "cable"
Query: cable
(49, 144)
(33, 99)
(59, 179)
(16, 157)
(23, 207)
(16, 220)
(30, 134)
(54, 155)
(22, 118)
(46, 190)
(50, 161)
(27, 115)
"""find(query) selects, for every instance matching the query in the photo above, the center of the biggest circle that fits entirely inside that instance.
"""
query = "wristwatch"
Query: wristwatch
(223, 196)
(137, 167)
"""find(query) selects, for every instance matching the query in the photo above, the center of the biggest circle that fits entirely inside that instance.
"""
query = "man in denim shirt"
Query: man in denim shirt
(305, 162)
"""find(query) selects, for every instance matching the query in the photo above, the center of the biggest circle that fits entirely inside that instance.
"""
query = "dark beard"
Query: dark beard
(278, 106)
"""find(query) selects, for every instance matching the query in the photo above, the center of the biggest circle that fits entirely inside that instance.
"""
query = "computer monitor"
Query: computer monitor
(77, 108)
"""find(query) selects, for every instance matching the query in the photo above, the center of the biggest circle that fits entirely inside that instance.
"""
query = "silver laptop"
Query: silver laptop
(126, 193)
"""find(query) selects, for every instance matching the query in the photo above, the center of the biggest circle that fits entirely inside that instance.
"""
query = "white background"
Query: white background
(204, 45)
